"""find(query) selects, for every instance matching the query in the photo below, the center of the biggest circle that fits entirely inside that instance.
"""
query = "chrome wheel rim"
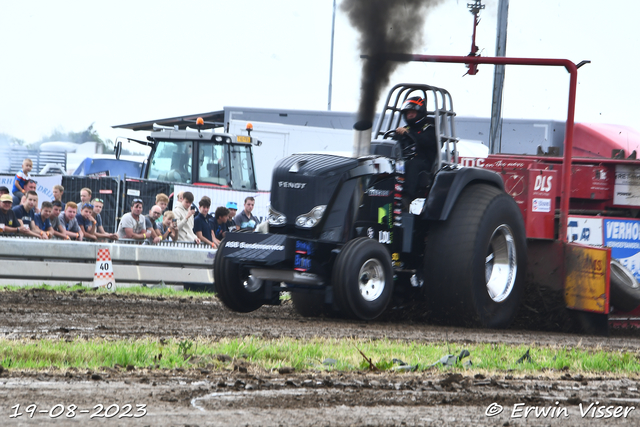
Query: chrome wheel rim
(501, 264)
(371, 280)
(252, 284)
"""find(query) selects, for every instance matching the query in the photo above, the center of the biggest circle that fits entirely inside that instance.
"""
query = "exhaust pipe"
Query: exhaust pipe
(362, 138)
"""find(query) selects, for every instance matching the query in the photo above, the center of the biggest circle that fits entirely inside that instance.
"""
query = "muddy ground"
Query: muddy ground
(311, 398)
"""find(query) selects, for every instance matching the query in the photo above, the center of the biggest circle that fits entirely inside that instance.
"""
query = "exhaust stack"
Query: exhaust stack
(362, 138)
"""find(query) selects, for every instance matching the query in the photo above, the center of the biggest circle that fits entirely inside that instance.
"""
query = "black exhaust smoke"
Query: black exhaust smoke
(385, 26)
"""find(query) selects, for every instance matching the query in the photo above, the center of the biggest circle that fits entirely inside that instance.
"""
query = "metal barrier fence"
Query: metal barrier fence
(37, 260)
(105, 188)
(11, 158)
(137, 188)
(131, 242)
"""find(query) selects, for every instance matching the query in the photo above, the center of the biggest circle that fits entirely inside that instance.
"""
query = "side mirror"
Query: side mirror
(117, 150)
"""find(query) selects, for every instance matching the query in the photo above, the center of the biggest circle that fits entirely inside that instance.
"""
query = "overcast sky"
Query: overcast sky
(67, 64)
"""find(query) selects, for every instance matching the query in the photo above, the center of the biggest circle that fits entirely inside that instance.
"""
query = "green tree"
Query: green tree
(89, 134)
(5, 138)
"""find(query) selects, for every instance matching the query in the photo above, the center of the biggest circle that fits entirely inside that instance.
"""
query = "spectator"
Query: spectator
(85, 196)
(58, 191)
(4, 190)
(245, 220)
(26, 214)
(150, 223)
(132, 224)
(55, 220)
(98, 204)
(43, 220)
(168, 229)
(193, 205)
(68, 222)
(8, 222)
(30, 186)
(209, 217)
(201, 223)
(220, 224)
(184, 213)
(233, 209)
(86, 222)
(162, 200)
(21, 178)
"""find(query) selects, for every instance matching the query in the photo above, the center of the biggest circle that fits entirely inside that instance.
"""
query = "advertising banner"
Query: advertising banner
(44, 186)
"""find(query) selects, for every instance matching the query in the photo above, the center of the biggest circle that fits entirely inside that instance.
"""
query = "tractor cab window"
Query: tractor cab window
(171, 162)
(214, 163)
(242, 173)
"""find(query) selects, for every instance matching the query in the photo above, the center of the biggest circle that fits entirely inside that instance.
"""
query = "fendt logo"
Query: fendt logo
(296, 185)
(543, 183)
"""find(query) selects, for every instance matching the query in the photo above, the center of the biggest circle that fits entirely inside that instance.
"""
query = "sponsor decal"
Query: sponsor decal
(301, 263)
(384, 237)
(400, 167)
(586, 230)
(305, 248)
(543, 183)
(541, 205)
(260, 246)
(623, 237)
(601, 174)
(374, 192)
(294, 185)
(626, 186)
(514, 185)
(471, 162)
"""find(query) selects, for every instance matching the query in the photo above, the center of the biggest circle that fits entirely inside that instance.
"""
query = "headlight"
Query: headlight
(276, 218)
(312, 218)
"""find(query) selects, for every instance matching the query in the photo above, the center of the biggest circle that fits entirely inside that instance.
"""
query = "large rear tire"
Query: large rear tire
(363, 279)
(475, 260)
(624, 289)
(236, 288)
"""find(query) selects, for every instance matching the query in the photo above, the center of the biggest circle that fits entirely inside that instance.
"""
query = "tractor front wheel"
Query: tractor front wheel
(363, 279)
(236, 288)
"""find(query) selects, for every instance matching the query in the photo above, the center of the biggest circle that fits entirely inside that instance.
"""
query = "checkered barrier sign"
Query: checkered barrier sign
(103, 276)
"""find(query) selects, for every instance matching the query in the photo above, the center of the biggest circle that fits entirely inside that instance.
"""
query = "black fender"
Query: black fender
(448, 185)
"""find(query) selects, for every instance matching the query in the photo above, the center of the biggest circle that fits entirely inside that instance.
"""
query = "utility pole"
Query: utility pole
(495, 132)
(475, 9)
(333, 28)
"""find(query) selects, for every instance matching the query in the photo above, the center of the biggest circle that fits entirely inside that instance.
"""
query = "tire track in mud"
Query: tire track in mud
(48, 314)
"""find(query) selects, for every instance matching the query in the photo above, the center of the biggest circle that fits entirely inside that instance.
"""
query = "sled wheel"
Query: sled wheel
(624, 289)
(236, 288)
(475, 260)
(363, 279)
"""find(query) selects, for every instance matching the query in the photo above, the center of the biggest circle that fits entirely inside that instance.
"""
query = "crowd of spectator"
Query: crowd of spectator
(19, 214)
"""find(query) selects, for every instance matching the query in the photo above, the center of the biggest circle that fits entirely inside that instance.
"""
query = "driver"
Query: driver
(419, 144)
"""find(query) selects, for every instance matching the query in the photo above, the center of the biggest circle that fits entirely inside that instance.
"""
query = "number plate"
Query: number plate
(244, 139)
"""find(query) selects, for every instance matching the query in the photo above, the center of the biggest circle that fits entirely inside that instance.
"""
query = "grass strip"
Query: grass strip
(165, 291)
(311, 354)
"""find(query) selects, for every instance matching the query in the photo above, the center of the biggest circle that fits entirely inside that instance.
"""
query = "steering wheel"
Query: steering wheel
(389, 134)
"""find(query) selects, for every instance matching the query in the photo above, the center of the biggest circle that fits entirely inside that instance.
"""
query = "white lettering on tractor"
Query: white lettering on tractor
(296, 185)
(543, 183)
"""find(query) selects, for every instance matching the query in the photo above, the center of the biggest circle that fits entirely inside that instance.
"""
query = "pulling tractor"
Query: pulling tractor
(341, 239)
